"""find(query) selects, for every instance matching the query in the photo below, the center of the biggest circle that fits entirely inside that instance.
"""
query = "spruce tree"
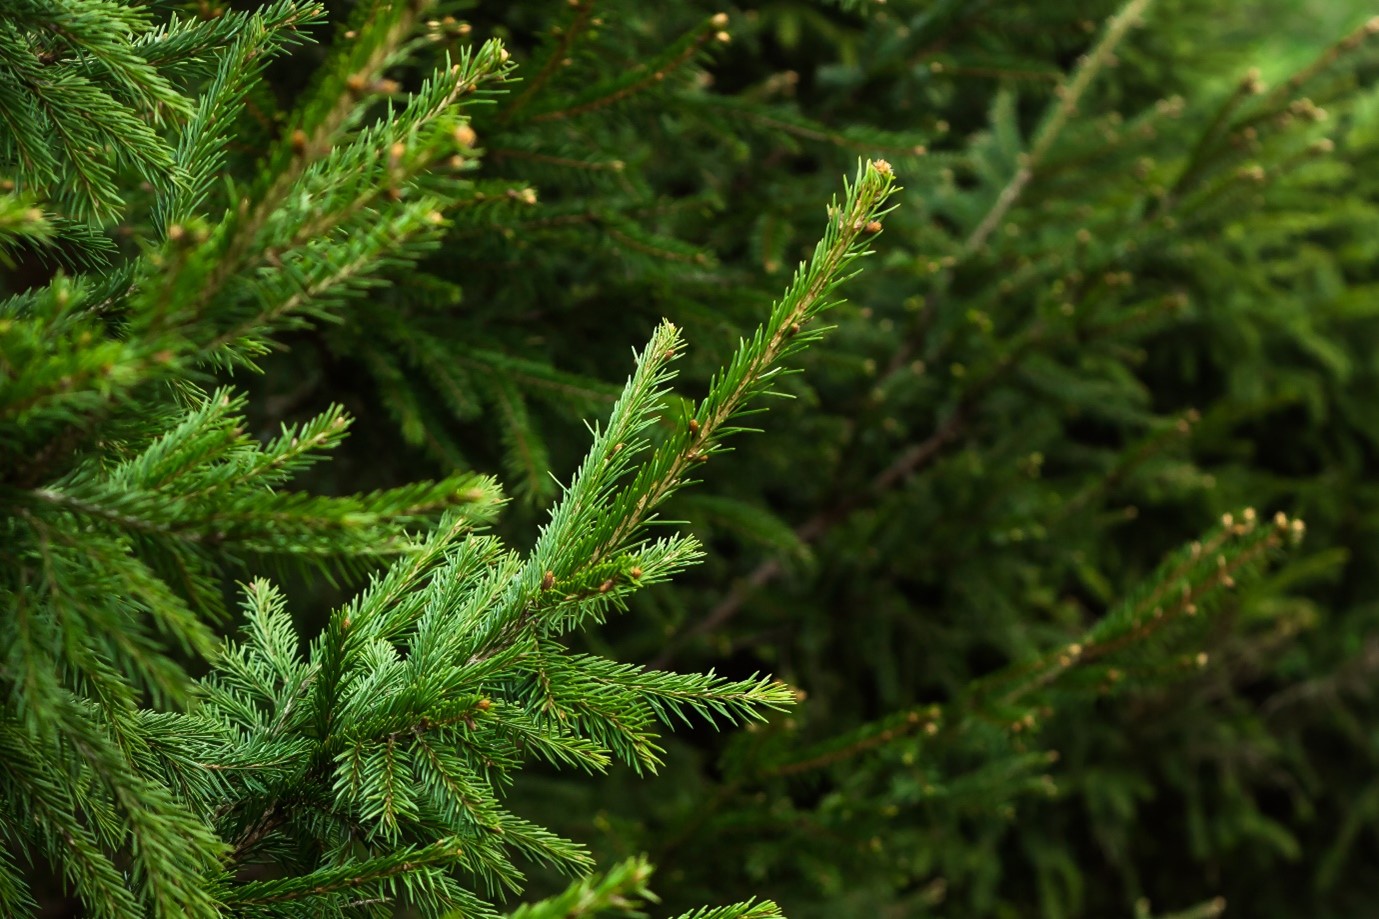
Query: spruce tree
(364, 767)
(1009, 539)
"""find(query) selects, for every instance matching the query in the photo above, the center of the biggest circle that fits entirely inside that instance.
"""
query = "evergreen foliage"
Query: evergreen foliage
(367, 769)
(1011, 539)
(1126, 262)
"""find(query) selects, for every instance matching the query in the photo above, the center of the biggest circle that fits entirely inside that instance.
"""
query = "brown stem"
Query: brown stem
(557, 56)
(631, 89)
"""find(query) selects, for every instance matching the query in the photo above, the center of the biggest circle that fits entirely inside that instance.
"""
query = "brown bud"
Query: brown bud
(548, 581)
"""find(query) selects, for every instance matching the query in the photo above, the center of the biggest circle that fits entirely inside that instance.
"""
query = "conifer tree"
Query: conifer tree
(363, 768)
(1012, 536)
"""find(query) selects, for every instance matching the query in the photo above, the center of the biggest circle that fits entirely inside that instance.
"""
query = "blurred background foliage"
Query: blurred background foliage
(1130, 289)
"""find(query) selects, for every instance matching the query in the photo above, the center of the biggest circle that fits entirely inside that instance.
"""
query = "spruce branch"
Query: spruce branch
(925, 718)
(82, 102)
(253, 39)
(1263, 109)
(1208, 909)
(576, 538)
(752, 909)
(555, 56)
(1069, 97)
(369, 876)
(376, 39)
(620, 891)
(639, 79)
(323, 183)
(1183, 590)
(750, 371)
(777, 119)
